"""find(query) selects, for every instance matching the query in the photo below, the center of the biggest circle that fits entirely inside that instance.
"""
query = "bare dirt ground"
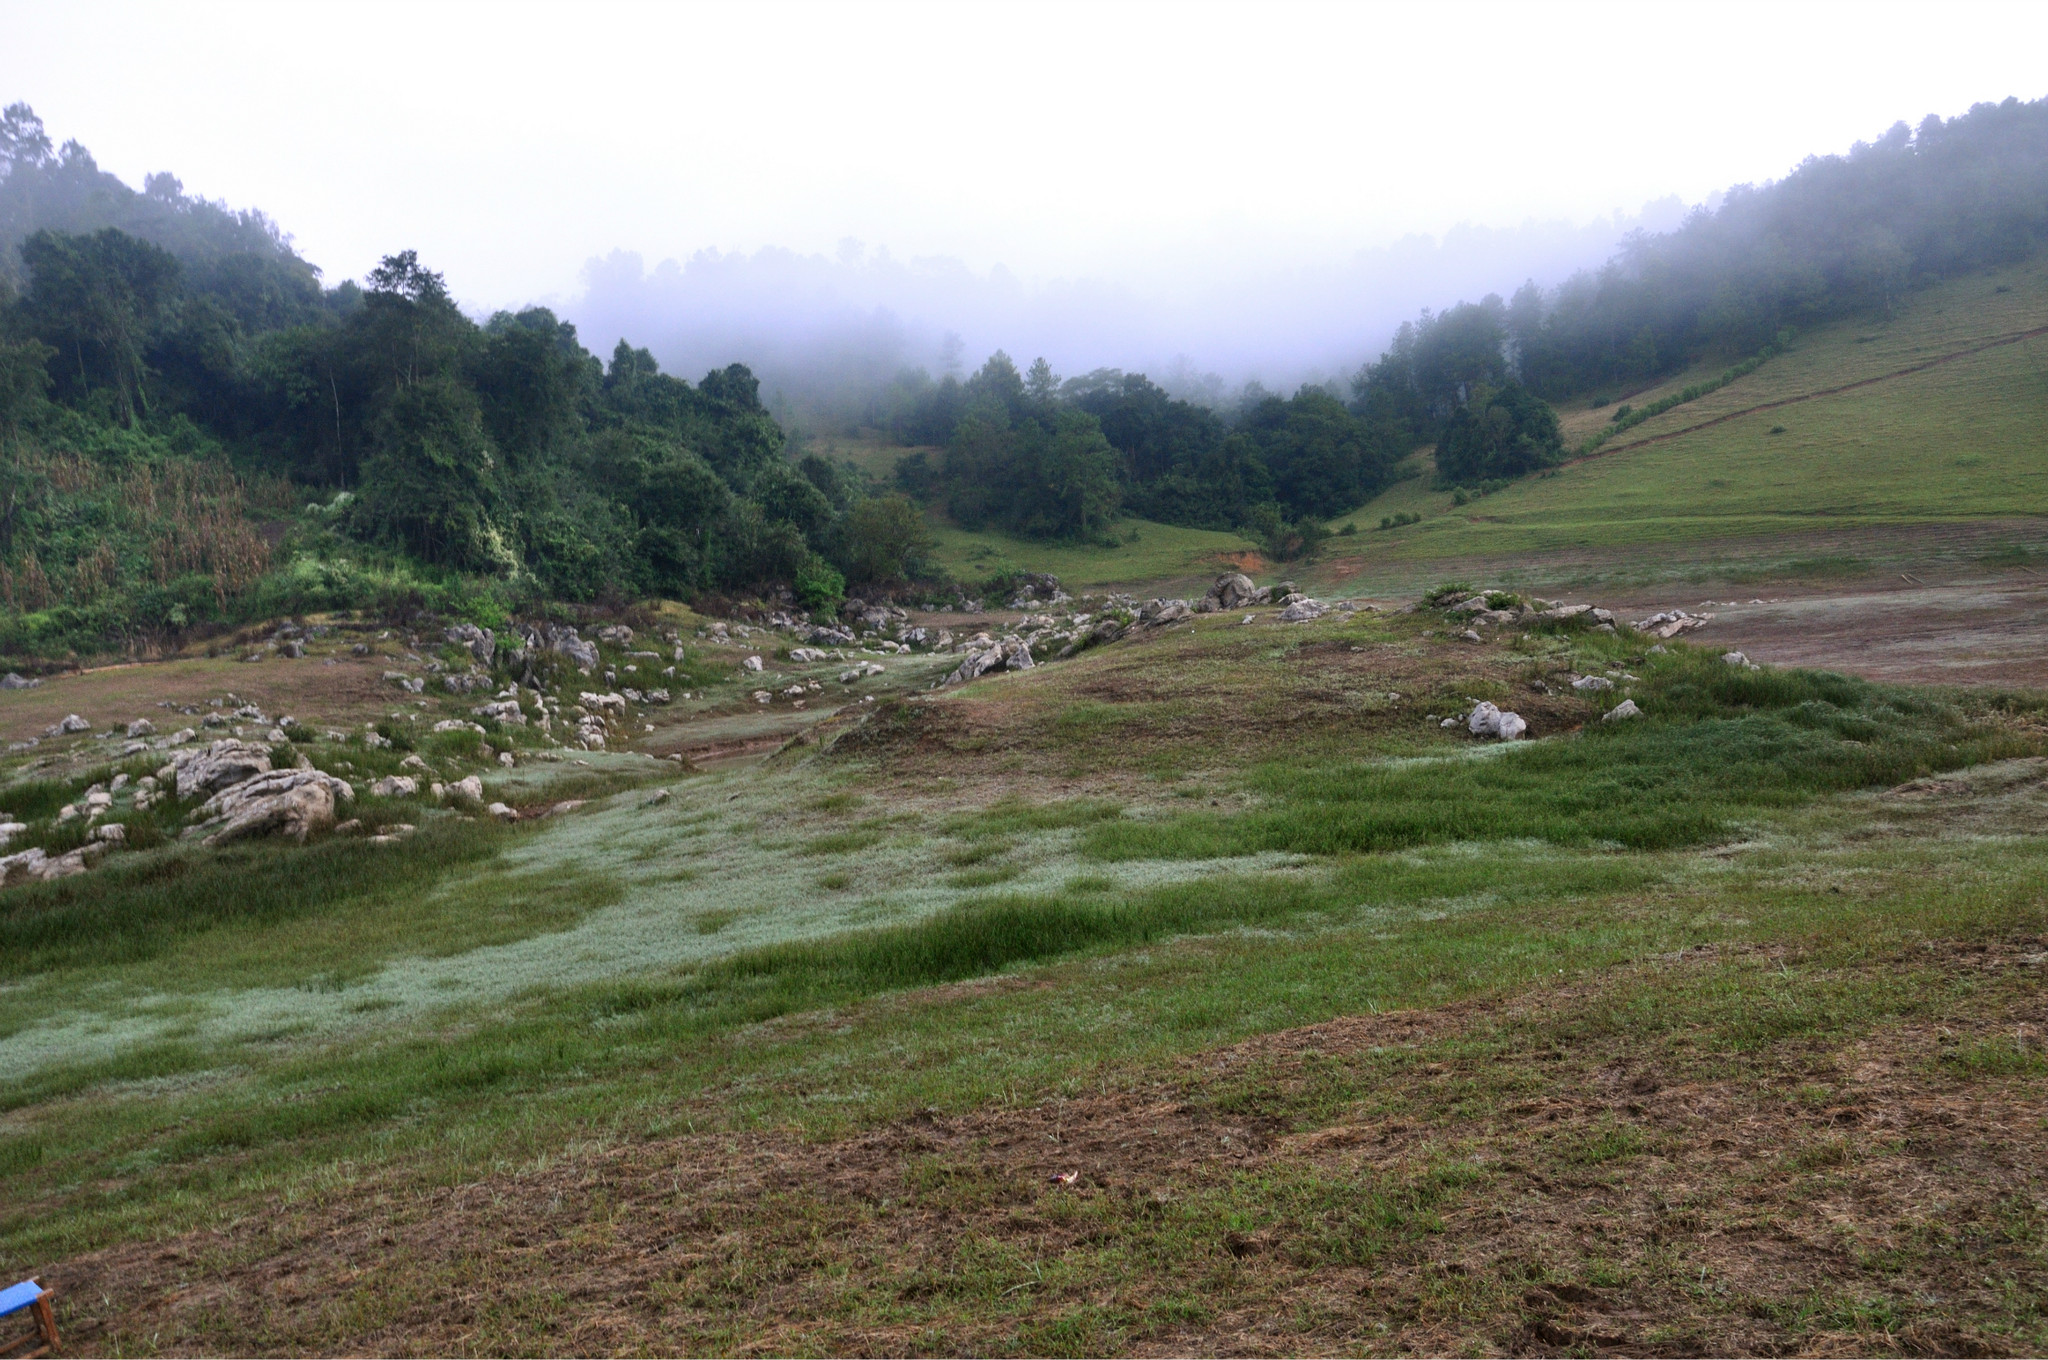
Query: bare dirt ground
(315, 690)
(1987, 630)
(1846, 1196)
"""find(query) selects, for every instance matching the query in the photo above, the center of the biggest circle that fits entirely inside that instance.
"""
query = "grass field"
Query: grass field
(1295, 986)
(1161, 557)
(1201, 993)
(1959, 442)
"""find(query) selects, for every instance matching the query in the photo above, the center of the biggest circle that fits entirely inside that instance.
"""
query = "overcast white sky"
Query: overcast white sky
(1140, 144)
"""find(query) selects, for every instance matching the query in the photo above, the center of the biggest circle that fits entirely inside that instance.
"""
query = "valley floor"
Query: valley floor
(1202, 993)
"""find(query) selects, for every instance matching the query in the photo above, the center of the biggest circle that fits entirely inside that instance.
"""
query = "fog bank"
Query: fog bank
(823, 332)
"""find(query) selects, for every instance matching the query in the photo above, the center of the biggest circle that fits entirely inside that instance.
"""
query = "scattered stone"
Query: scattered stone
(141, 727)
(1592, 683)
(752, 663)
(503, 711)
(469, 789)
(13, 681)
(1303, 609)
(505, 759)
(112, 832)
(502, 812)
(1469, 635)
(458, 725)
(395, 786)
(71, 723)
(658, 796)
(1625, 709)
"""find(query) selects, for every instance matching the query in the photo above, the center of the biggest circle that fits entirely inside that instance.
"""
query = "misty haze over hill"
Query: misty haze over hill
(826, 333)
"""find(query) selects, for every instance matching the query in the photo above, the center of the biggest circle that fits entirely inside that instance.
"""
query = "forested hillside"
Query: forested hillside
(194, 430)
(197, 428)
(1840, 236)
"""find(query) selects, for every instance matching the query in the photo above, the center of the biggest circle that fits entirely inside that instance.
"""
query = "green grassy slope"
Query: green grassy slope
(1962, 439)
(1149, 552)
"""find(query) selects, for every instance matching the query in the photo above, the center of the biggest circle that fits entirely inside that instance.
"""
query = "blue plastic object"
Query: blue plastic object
(18, 1297)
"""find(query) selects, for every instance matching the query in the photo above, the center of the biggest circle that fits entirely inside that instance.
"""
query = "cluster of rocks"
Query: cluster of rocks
(1037, 589)
(986, 655)
(244, 797)
(1234, 590)
(1477, 608)
(1489, 720)
(1670, 623)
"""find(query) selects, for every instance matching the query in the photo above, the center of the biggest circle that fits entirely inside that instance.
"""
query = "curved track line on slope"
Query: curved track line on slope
(1809, 396)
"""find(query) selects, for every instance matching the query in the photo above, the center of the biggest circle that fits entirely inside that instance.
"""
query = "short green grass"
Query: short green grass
(834, 942)
(1146, 554)
(1957, 442)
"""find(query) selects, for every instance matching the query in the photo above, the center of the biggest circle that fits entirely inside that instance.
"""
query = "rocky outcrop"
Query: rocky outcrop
(1234, 590)
(34, 866)
(985, 656)
(503, 711)
(216, 766)
(564, 641)
(290, 803)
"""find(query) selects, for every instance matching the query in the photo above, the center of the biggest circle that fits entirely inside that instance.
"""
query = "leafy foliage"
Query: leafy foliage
(152, 332)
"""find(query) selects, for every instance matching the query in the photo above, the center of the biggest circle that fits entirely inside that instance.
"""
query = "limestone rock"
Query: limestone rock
(1592, 683)
(71, 723)
(1303, 609)
(1486, 720)
(480, 642)
(1625, 709)
(395, 786)
(142, 727)
(1232, 590)
(219, 765)
(288, 803)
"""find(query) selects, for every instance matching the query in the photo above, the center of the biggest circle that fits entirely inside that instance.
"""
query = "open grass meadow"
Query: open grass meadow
(1959, 442)
(1203, 992)
(1145, 556)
